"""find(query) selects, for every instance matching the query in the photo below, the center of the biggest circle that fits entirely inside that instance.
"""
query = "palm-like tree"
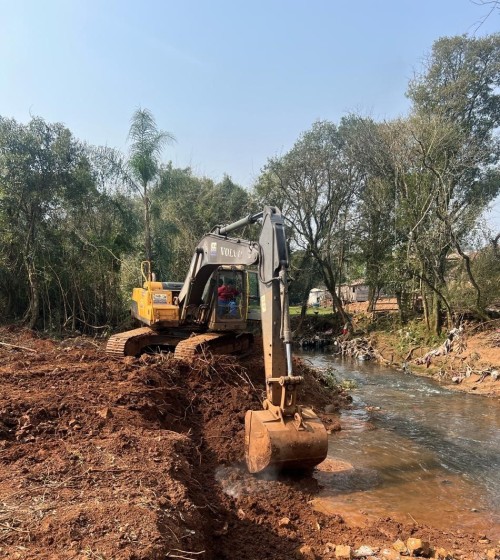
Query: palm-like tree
(147, 143)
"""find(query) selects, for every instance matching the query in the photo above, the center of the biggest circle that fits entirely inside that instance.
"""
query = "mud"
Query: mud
(135, 459)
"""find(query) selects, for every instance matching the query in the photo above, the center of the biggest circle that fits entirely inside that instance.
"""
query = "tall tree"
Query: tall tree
(456, 112)
(186, 207)
(460, 83)
(317, 183)
(57, 270)
(40, 166)
(147, 143)
(375, 237)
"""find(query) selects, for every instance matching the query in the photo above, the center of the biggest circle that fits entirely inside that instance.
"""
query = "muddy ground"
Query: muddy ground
(104, 458)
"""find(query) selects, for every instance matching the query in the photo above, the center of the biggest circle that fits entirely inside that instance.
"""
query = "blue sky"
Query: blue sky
(235, 82)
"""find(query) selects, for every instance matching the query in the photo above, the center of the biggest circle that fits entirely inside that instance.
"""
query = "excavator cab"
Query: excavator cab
(234, 296)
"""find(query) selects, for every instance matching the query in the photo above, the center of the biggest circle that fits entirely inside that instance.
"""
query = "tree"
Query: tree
(460, 83)
(147, 143)
(186, 207)
(456, 110)
(57, 270)
(317, 184)
(374, 238)
(41, 166)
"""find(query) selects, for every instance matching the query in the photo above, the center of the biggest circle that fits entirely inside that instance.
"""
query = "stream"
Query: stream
(413, 450)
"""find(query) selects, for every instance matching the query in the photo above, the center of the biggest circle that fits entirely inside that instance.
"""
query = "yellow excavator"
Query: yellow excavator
(211, 311)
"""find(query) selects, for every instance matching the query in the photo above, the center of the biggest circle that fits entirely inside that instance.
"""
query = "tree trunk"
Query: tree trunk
(436, 322)
(305, 264)
(147, 225)
(303, 311)
(31, 315)
(425, 306)
(331, 284)
(371, 299)
(401, 307)
(337, 305)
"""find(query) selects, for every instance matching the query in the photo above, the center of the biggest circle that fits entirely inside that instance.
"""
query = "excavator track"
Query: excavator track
(215, 343)
(132, 343)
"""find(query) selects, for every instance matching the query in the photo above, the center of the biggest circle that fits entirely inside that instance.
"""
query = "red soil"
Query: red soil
(104, 458)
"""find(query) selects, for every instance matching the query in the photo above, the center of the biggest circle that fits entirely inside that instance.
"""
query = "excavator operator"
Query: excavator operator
(226, 295)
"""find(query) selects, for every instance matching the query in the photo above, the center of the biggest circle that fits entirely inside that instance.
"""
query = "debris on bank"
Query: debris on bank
(464, 363)
(360, 348)
(317, 341)
(455, 342)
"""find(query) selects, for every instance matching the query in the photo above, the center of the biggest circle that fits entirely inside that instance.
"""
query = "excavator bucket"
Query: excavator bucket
(295, 442)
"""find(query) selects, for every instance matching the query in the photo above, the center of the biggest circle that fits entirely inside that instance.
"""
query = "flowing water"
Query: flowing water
(413, 450)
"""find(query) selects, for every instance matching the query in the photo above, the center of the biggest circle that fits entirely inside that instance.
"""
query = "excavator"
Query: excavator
(195, 317)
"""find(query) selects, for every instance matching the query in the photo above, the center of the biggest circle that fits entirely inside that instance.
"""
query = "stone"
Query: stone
(329, 548)
(390, 554)
(284, 522)
(305, 553)
(491, 554)
(418, 547)
(343, 552)
(105, 413)
(441, 554)
(363, 551)
(399, 546)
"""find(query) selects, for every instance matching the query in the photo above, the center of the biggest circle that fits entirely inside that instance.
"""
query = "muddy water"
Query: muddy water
(413, 450)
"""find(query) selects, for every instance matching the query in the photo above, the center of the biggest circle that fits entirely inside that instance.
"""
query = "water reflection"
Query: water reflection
(417, 450)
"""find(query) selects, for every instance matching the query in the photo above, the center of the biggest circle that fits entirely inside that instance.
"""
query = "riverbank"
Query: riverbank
(142, 458)
(471, 364)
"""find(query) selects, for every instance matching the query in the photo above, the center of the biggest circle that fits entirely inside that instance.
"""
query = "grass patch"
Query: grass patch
(311, 311)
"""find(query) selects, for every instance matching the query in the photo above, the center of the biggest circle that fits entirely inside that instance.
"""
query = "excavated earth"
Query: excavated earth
(106, 458)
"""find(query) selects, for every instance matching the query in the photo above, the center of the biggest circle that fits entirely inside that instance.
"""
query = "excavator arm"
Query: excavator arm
(284, 434)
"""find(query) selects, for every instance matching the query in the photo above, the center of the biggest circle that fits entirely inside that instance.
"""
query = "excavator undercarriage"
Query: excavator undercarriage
(145, 339)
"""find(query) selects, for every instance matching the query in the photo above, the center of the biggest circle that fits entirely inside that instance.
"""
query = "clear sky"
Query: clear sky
(235, 82)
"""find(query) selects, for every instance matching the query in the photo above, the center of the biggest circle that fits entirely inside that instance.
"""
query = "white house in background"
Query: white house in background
(317, 296)
(357, 290)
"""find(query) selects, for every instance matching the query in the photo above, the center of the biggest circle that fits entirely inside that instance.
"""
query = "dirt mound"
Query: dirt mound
(143, 458)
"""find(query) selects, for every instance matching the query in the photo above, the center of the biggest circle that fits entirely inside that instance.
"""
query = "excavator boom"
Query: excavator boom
(284, 435)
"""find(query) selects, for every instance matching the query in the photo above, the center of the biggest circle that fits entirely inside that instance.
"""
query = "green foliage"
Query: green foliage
(312, 311)
(461, 83)
(349, 384)
(329, 378)
(146, 145)
(305, 275)
(185, 208)
(65, 269)
(386, 201)
(486, 270)
(317, 184)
